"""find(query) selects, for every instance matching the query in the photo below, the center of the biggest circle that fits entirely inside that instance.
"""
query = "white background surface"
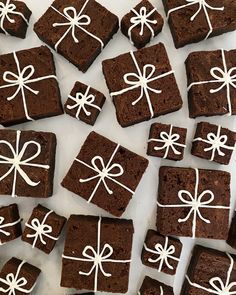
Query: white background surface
(71, 134)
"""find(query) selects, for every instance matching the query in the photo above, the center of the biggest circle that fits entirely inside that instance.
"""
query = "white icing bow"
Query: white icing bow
(142, 18)
(164, 253)
(195, 203)
(15, 283)
(223, 76)
(104, 172)
(216, 142)
(81, 101)
(21, 81)
(169, 142)
(97, 257)
(74, 20)
(217, 285)
(2, 226)
(17, 160)
(202, 5)
(41, 230)
(141, 80)
(5, 11)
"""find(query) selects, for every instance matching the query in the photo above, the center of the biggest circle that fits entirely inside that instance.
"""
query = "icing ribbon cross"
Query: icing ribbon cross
(2, 226)
(97, 257)
(203, 5)
(41, 230)
(142, 18)
(169, 140)
(21, 81)
(74, 20)
(104, 172)
(15, 284)
(5, 11)
(218, 287)
(16, 161)
(141, 80)
(81, 101)
(216, 142)
(164, 253)
(226, 77)
(195, 203)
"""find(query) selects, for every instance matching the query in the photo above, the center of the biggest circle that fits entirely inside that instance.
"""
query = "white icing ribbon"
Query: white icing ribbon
(2, 226)
(169, 140)
(97, 257)
(142, 18)
(21, 81)
(164, 253)
(17, 160)
(202, 5)
(5, 11)
(223, 76)
(141, 80)
(103, 173)
(195, 203)
(74, 20)
(161, 291)
(217, 285)
(81, 101)
(15, 283)
(41, 229)
(216, 142)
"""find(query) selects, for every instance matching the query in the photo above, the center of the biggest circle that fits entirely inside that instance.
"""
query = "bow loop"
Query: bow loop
(148, 72)
(1, 220)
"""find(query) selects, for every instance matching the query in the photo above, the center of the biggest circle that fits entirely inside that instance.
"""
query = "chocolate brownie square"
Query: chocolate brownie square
(167, 141)
(84, 103)
(193, 203)
(18, 277)
(211, 83)
(105, 174)
(90, 239)
(160, 252)
(142, 85)
(27, 160)
(10, 223)
(210, 272)
(193, 21)
(14, 18)
(142, 24)
(232, 233)
(43, 229)
(77, 29)
(28, 86)
(151, 286)
(214, 143)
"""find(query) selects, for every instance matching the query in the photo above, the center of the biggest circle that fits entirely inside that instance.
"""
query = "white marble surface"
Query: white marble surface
(71, 134)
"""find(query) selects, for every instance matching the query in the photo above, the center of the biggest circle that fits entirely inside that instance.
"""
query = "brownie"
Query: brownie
(151, 287)
(192, 21)
(211, 83)
(142, 85)
(106, 240)
(210, 272)
(77, 29)
(160, 252)
(27, 160)
(18, 277)
(167, 141)
(43, 229)
(105, 174)
(14, 18)
(193, 203)
(10, 223)
(84, 103)
(214, 143)
(232, 233)
(142, 24)
(35, 97)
